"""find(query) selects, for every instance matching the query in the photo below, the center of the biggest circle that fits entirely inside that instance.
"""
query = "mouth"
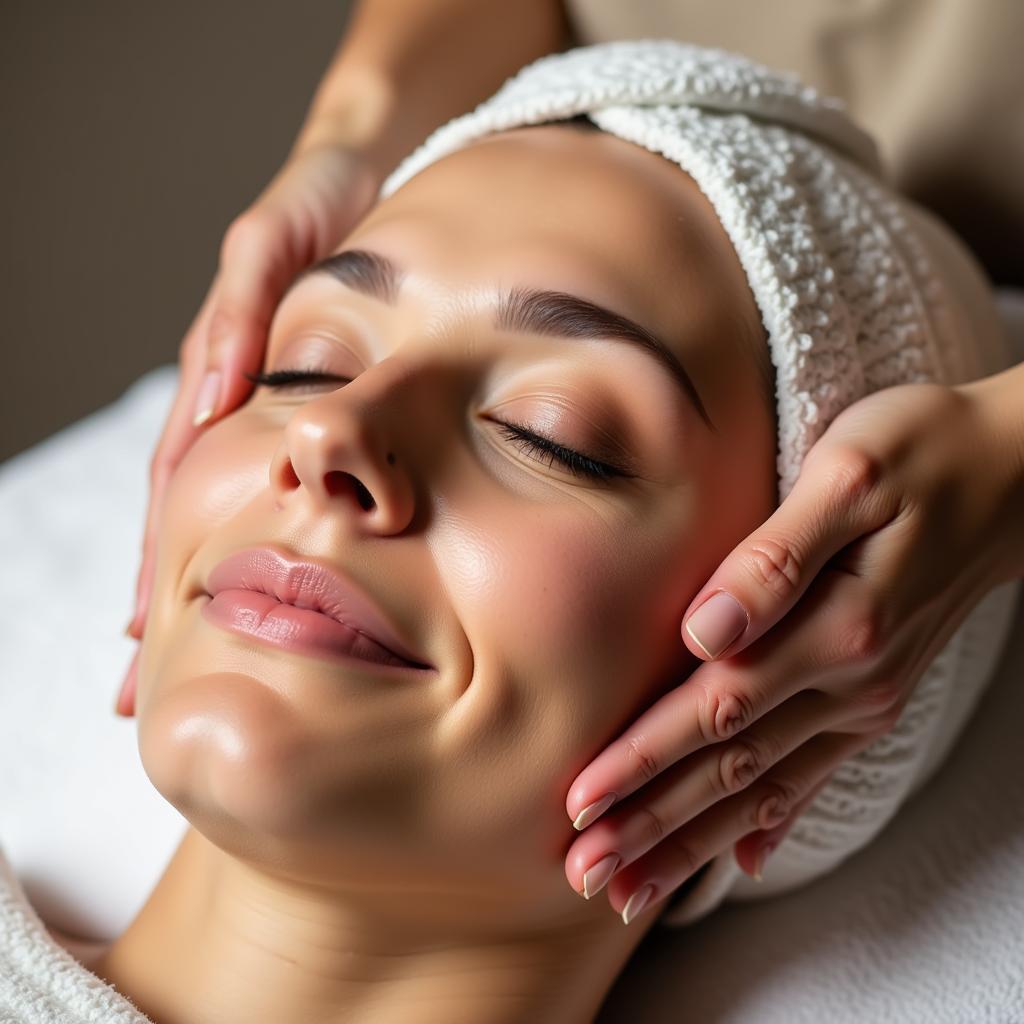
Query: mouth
(304, 605)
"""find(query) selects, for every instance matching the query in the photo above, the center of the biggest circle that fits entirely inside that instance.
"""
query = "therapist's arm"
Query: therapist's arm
(403, 68)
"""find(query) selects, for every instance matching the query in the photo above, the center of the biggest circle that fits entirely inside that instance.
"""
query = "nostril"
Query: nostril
(336, 481)
(366, 501)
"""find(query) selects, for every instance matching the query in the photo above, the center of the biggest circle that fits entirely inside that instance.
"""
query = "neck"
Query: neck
(220, 942)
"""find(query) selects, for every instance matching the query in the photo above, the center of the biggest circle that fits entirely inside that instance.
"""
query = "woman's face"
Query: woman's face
(548, 603)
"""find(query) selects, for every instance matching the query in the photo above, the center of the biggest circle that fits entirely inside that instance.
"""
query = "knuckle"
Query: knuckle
(854, 474)
(787, 790)
(740, 765)
(247, 231)
(888, 719)
(775, 567)
(862, 637)
(883, 695)
(773, 803)
(685, 857)
(725, 714)
(653, 829)
(638, 751)
(885, 701)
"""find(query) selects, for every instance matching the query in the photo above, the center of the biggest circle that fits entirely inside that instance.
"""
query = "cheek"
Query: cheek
(221, 472)
(219, 475)
(258, 748)
(573, 621)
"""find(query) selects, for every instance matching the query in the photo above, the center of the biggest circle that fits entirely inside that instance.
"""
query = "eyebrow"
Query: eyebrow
(529, 310)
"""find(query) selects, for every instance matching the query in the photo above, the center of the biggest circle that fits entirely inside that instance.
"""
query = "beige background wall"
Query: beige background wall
(132, 133)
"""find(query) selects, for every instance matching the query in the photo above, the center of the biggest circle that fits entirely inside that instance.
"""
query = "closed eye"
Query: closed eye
(525, 439)
(283, 378)
(577, 463)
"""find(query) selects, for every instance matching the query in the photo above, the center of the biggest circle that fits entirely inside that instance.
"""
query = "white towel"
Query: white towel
(40, 983)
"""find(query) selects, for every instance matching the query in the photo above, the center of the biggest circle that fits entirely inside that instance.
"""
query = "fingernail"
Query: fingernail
(125, 704)
(138, 623)
(636, 903)
(592, 811)
(761, 858)
(595, 878)
(207, 400)
(135, 624)
(716, 623)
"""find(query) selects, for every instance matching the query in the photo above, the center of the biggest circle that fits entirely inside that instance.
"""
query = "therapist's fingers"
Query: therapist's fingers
(836, 500)
(708, 776)
(260, 255)
(226, 340)
(125, 706)
(753, 850)
(817, 646)
(309, 207)
(179, 432)
(646, 882)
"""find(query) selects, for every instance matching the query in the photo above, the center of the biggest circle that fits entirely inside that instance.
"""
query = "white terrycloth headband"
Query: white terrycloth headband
(844, 287)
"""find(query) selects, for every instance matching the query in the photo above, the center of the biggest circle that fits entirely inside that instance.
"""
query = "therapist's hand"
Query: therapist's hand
(814, 631)
(302, 215)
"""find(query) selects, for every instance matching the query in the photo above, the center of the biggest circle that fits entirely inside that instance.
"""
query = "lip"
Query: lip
(319, 591)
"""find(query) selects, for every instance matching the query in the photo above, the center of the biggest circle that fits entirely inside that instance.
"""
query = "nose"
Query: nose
(340, 453)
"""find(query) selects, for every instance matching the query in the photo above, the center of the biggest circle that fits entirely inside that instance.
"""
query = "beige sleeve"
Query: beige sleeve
(979, 341)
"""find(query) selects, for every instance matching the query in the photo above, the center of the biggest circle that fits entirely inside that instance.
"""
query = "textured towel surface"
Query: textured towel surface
(40, 983)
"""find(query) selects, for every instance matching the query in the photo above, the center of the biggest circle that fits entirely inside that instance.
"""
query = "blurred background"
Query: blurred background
(132, 134)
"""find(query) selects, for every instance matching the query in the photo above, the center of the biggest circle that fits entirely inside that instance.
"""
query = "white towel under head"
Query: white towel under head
(840, 267)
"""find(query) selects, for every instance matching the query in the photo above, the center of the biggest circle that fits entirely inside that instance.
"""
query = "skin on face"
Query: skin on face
(548, 603)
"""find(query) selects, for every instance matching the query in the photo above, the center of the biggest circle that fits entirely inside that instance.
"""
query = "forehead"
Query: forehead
(553, 207)
(599, 214)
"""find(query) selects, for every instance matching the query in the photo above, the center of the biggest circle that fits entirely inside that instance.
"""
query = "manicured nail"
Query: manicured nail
(595, 878)
(592, 811)
(716, 623)
(636, 903)
(138, 623)
(207, 400)
(125, 704)
(761, 858)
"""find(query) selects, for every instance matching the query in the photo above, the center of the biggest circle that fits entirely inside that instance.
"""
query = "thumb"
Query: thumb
(769, 571)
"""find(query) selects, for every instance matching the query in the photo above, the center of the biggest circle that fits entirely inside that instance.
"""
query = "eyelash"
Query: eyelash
(576, 463)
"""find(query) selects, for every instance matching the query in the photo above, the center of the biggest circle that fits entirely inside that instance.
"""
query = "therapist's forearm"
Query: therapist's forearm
(404, 67)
